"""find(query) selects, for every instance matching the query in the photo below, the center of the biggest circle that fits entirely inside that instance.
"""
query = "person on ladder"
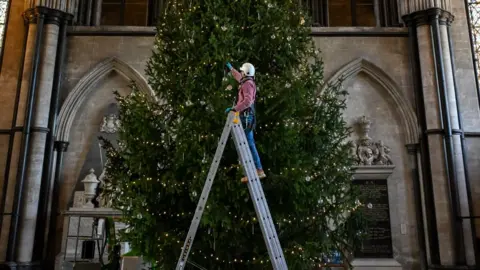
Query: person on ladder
(246, 107)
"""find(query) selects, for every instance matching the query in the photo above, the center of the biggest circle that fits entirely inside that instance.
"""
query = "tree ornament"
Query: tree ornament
(162, 164)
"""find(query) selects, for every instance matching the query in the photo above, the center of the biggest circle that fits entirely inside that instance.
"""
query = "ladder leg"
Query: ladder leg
(259, 200)
(182, 261)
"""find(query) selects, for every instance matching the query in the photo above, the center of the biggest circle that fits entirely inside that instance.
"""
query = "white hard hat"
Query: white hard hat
(248, 69)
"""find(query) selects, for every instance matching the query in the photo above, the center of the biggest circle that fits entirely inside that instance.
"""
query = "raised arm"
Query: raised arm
(237, 75)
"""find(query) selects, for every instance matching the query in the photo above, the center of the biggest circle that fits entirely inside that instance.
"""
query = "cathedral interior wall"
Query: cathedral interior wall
(468, 100)
(386, 48)
(389, 54)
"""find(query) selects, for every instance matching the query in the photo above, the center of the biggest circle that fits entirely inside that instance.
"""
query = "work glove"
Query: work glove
(229, 66)
(232, 109)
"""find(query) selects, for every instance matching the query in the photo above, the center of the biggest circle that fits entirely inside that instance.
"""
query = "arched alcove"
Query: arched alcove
(84, 88)
(374, 94)
(82, 114)
(401, 104)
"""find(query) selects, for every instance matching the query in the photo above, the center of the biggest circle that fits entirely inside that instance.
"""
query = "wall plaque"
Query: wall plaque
(378, 242)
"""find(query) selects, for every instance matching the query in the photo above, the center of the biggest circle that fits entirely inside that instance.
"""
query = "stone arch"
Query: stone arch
(86, 86)
(407, 114)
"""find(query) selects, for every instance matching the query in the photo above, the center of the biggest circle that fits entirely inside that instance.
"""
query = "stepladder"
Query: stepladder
(233, 127)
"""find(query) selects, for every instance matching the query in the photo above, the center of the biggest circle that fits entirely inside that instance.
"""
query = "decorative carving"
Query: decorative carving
(91, 196)
(90, 185)
(110, 124)
(78, 199)
(367, 152)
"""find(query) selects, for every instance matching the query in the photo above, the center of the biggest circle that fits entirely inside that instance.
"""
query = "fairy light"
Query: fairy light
(290, 123)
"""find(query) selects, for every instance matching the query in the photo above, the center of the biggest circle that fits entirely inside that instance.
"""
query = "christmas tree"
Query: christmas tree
(166, 143)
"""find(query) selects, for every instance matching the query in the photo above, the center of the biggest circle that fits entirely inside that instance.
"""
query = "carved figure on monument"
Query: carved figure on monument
(354, 152)
(102, 201)
(78, 199)
(365, 155)
(383, 154)
(367, 152)
(110, 124)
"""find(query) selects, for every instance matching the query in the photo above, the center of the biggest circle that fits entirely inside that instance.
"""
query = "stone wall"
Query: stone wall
(468, 99)
(372, 58)
(367, 96)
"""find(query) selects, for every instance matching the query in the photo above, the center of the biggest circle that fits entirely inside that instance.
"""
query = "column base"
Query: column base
(21, 266)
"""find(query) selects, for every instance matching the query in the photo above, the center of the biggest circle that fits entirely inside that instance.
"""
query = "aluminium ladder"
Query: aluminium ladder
(234, 126)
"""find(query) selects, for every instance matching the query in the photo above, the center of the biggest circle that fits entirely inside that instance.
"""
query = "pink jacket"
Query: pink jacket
(246, 92)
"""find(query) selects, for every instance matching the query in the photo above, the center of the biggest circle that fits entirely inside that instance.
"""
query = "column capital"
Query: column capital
(428, 16)
(67, 6)
(411, 6)
(61, 146)
(52, 16)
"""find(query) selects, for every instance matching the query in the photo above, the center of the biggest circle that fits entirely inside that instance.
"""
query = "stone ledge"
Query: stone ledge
(92, 212)
(375, 264)
(107, 30)
(112, 30)
(373, 172)
(360, 31)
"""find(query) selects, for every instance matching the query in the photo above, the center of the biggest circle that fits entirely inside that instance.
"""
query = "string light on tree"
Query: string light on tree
(156, 177)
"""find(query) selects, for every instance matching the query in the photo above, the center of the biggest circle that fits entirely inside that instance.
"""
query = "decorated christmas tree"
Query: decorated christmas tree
(157, 170)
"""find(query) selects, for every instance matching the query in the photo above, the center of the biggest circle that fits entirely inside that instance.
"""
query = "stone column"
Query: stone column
(445, 180)
(415, 167)
(28, 87)
(37, 145)
(97, 13)
(33, 118)
(456, 133)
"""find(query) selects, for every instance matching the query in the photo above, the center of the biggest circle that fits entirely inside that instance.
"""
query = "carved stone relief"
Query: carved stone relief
(82, 199)
(110, 124)
(368, 152)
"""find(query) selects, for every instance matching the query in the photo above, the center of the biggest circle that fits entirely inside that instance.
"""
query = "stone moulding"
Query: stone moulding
(68, 6)
(86, 86)
(372, 172)
(406, 112)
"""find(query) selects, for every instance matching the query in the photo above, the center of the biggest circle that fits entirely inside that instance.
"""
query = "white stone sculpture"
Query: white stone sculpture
(110, 124)
(90, 184)
(367, 152)
(79, 224)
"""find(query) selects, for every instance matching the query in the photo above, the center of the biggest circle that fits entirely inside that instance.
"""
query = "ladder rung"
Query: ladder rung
(256, 192)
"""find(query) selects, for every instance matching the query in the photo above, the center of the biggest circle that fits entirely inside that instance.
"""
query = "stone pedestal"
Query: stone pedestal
(134, 263)
(376, 264)
(78, 227)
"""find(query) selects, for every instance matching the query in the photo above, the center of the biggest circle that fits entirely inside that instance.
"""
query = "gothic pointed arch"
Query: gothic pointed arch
(84, 88)
(406, 112)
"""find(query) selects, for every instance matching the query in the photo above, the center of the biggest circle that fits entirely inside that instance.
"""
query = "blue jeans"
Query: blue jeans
(253, 149)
